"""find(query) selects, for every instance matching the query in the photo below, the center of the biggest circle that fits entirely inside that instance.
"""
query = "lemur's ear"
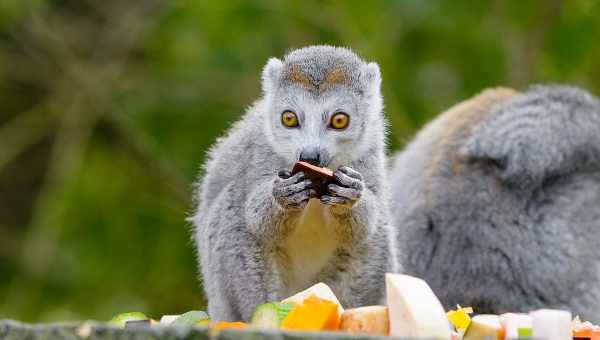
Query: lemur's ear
(371, 78)
(270, 74)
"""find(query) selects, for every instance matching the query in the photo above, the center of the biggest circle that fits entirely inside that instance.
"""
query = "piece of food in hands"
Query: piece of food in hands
(320, 176)
(369, 320)
(414, 310)
(271, 314)
(313, 314)
(485, 326)
(319, 290)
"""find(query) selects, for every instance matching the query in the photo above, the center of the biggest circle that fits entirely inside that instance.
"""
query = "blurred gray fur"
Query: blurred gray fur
(496, 203)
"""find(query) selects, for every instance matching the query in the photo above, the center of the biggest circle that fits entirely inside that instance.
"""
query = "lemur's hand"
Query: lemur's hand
(346, 191)
(293, 192)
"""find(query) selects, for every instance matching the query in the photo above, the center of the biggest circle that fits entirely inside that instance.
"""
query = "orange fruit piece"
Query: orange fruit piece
(228, 325)
(314, 314)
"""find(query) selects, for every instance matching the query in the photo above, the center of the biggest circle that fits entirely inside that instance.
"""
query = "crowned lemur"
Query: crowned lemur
(496, 203)
(263, 234)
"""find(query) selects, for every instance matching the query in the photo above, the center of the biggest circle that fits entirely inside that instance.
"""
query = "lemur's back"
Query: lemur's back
(496, 202)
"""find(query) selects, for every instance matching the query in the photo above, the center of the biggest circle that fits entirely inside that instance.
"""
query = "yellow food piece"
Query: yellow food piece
(485, 326)
(370, 320)
(460, 318)
(314, 314)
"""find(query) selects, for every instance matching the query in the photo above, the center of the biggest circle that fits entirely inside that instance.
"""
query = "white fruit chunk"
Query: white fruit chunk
(485, 325)
(320, 290)
(167, 319)
(371, 320)
(551, 324)
(414, 310)
(511, 322)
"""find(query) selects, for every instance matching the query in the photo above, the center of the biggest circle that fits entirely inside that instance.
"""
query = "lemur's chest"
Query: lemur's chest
(310, 247)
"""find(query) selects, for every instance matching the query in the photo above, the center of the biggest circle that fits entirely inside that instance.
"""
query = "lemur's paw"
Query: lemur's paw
(346, 190)
(293, 192)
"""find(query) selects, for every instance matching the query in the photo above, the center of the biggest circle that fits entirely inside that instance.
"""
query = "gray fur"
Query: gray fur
(249, 218)
(497, 202)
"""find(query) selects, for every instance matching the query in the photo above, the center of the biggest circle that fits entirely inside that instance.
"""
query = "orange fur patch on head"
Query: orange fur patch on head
(337, 76)
(296, 76)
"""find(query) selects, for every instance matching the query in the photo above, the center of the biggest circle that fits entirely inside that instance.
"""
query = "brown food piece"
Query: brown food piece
(370, 320)
(320, 176)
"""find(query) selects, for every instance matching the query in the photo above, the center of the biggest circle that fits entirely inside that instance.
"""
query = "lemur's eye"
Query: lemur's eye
(339, 121)
(289, 119)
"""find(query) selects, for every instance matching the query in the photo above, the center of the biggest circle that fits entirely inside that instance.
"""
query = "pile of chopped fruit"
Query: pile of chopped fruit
(412, 310)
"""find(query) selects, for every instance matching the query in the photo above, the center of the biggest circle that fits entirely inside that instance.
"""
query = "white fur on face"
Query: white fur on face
(337, 147)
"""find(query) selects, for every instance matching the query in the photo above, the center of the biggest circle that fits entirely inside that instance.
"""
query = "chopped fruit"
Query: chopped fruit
(192, 318)
(585, 330)
(168, 319)
(320, 290)
(460, 318)
(414, 310)
(119, 320)
(270, 315)
(133, 324)
(228, 325)
(313, 314)
(551, 324)
(370, 320)
(524, 333)
(511, 322)
(485, 326)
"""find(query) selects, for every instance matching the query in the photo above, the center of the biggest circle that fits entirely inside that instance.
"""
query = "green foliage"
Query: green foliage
(107, 109)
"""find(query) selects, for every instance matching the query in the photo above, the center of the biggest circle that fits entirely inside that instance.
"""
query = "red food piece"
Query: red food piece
(320, 176)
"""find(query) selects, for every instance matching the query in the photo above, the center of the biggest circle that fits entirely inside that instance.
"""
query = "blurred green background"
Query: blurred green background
(107, 109)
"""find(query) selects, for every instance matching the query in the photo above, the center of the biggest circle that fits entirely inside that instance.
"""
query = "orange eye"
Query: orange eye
(289, 119)
(339, 121)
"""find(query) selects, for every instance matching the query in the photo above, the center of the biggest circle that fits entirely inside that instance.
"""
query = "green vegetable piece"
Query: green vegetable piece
(524, 333)
(193, 318)
(271, 314)
(119, 320)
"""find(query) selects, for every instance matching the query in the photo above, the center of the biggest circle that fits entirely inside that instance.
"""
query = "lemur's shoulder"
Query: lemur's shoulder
(230, 157)
(457, 122)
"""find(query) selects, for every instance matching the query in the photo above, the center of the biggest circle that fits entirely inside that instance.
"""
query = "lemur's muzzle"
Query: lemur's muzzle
(311, 155)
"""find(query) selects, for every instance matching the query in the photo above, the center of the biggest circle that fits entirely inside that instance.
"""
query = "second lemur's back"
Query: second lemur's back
(496, 203)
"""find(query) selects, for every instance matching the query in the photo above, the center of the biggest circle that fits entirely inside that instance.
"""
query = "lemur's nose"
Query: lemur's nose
(311, 155)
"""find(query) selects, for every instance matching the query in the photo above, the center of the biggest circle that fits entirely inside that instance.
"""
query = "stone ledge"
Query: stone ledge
(92, 330)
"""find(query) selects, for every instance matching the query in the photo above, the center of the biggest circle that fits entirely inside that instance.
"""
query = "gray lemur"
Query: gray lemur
(496, 203)
(263, 234)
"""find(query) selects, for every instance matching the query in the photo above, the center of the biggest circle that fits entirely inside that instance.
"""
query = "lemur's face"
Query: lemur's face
(319, 106)
(327, 130)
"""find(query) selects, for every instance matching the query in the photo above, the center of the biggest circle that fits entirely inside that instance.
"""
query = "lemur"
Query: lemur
(496, 203)
(263, 234)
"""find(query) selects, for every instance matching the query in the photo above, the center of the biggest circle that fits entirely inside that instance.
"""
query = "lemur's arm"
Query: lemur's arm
(275, 203)
(544, 132)
(352, 202)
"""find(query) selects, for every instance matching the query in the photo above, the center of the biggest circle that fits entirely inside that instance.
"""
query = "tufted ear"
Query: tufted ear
(270, 75)
(370, 78)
